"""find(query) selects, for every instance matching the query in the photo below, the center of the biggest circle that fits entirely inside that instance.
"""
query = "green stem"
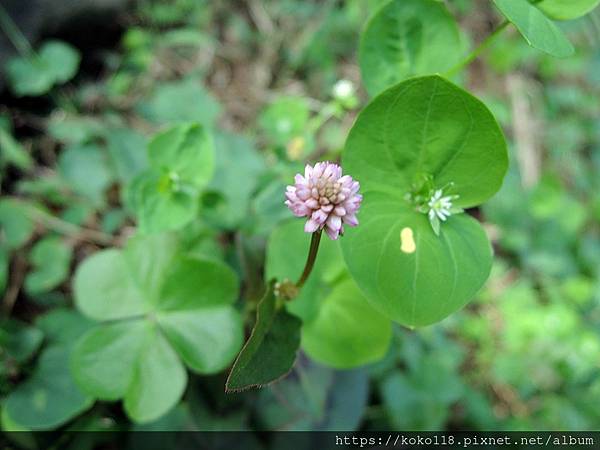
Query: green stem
(480, 49)
(14, 34)
(312, 256)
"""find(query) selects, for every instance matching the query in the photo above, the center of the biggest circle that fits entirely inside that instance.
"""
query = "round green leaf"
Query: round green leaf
(361, 335)
(186, 151)
(539, 31)
(28, 76)
(61, 60)
(406, 38)
(50, 397)
(422, 281)
(427, 125)
(50, 258)
(15, 225)
(566, 9)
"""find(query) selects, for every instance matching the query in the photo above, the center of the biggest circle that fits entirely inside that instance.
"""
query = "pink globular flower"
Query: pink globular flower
(328, 199)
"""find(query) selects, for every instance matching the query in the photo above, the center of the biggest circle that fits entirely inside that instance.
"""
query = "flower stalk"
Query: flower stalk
(310, 260)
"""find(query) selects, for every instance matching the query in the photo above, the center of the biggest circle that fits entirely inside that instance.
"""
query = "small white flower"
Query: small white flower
(440, 208)
(343, 89)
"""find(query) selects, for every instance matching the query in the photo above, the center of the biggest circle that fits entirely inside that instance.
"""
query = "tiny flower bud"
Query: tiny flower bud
(328, 199)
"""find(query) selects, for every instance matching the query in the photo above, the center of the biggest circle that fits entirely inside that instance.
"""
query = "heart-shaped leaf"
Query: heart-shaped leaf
(539, 31)
(406, 38)
(271, 349)
(176, 308)
(424, 127)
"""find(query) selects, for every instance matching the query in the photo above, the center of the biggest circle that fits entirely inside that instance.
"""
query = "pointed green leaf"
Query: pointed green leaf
(406, 38)
(271, 349)
(539, 31)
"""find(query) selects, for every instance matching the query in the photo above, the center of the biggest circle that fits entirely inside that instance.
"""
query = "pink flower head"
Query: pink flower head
(327, 198)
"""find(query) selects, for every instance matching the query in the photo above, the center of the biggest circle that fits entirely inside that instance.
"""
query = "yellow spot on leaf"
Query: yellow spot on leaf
(407, 241)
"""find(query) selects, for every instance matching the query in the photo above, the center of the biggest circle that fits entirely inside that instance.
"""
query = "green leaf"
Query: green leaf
(12, 152)
(148, 396)
(180, 101)
(127, 152)
(19, 341)
(422, 282)
(361, 335)
(176, 308)
(314, 398)
(61, 60)
(421, 126)
(104, 359)
(238, 167)
(51, 259)
(15, 225)
(186, 150)
(157, 206)
(284, 119)
(166, 197)
(49, 398)
(270, 352)
(85, 168)
(406, 38)
(55, 63)
(566, 9)
(427, 126)
(539, 31)
(28, 76)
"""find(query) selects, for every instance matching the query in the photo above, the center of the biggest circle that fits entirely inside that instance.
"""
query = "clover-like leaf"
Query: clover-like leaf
(406, 38)
(424, 128)
(55, 63)
(566, 9)
(174, 310)
(539, 31)
(16, 227)
(270, 352)
(166, 196)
